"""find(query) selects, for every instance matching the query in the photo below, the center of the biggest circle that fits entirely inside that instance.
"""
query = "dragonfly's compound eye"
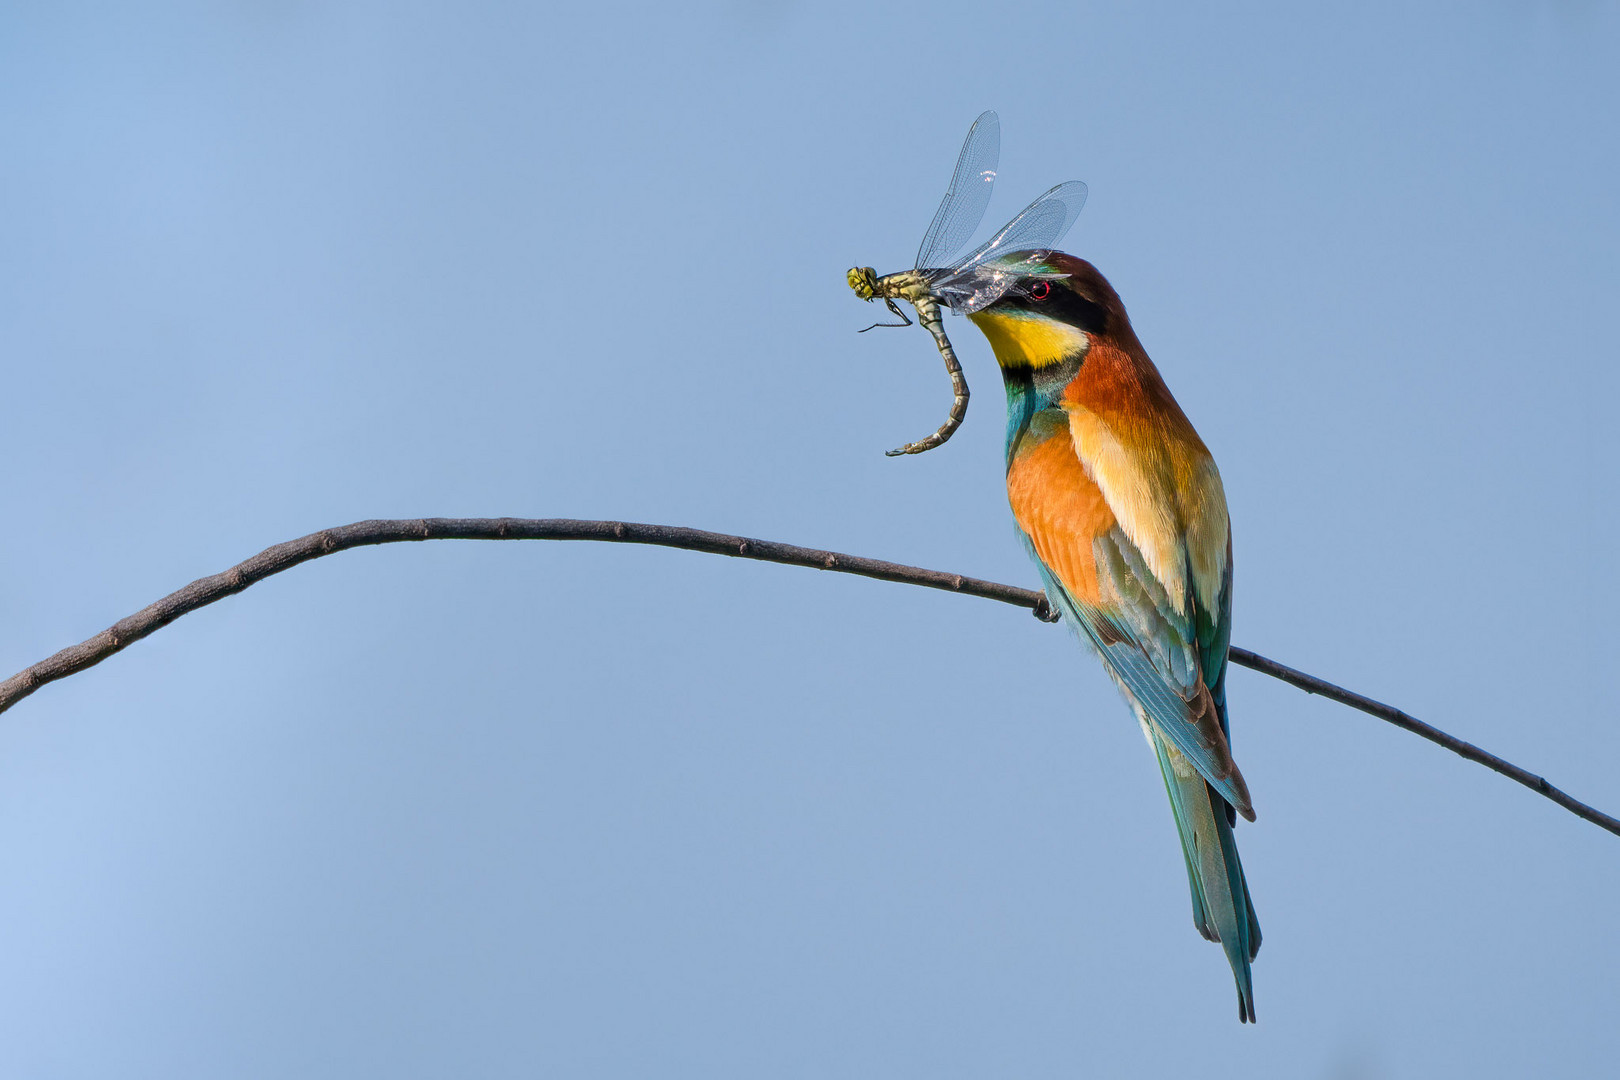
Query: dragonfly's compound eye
(1040, 290)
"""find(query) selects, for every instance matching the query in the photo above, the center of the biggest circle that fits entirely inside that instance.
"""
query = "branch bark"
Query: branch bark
(274, 560)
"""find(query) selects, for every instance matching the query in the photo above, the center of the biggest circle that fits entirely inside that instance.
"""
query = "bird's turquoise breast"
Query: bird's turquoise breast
(1033, 413)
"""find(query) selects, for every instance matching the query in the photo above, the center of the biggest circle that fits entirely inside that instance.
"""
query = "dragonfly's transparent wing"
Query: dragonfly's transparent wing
(1015, 252)
(962, 208)
(1040, 225)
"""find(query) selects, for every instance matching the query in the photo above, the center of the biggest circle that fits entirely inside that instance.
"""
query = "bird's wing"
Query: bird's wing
(1163, 650)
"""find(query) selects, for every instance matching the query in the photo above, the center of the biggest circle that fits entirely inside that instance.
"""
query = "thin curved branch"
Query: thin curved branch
(281, 557)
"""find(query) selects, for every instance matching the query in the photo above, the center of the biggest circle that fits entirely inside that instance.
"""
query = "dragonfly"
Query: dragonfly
(980, 277)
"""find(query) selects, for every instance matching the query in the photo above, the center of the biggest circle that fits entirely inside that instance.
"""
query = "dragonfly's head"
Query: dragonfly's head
(1053, 312)
(863, 279)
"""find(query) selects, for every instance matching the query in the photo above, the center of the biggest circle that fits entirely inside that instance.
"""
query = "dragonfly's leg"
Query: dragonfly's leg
(894, 308)
(928, 313)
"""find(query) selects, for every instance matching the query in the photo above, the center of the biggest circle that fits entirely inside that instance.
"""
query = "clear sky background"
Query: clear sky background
(515, 810)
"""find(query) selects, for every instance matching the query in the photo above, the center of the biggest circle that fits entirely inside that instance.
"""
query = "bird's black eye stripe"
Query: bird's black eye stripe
(1056, 301)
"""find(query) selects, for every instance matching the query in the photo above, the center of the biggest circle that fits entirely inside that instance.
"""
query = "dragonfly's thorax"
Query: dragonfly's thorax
(911, 286)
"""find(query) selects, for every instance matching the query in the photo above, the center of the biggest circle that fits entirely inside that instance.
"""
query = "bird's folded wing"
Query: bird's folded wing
(1153, 650)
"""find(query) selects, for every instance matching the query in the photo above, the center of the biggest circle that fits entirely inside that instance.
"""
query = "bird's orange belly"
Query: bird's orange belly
(1061, 510)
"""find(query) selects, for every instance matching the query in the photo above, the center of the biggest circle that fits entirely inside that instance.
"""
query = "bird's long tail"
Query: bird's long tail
(1222, 910)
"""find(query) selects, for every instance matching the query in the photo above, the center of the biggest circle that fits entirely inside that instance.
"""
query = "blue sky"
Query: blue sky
(577, 810)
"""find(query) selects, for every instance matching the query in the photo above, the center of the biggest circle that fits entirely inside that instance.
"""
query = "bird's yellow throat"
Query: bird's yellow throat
(1028, 341)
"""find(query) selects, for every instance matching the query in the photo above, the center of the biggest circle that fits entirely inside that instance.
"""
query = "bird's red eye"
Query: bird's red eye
(1040, 290)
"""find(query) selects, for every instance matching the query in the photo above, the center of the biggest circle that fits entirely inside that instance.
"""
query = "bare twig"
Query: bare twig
(1312, 685)
(274, 560)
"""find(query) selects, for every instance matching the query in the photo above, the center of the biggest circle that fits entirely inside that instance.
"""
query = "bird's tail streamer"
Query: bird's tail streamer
(1222, 910)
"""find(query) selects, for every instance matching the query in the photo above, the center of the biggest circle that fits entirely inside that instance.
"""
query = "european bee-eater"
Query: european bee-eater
(1121, 507)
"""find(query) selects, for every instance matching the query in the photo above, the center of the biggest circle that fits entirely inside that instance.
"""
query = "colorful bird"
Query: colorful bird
(1121, 507)
(1116, 497)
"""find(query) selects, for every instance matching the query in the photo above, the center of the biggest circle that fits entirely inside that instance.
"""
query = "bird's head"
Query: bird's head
(1059, 308)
